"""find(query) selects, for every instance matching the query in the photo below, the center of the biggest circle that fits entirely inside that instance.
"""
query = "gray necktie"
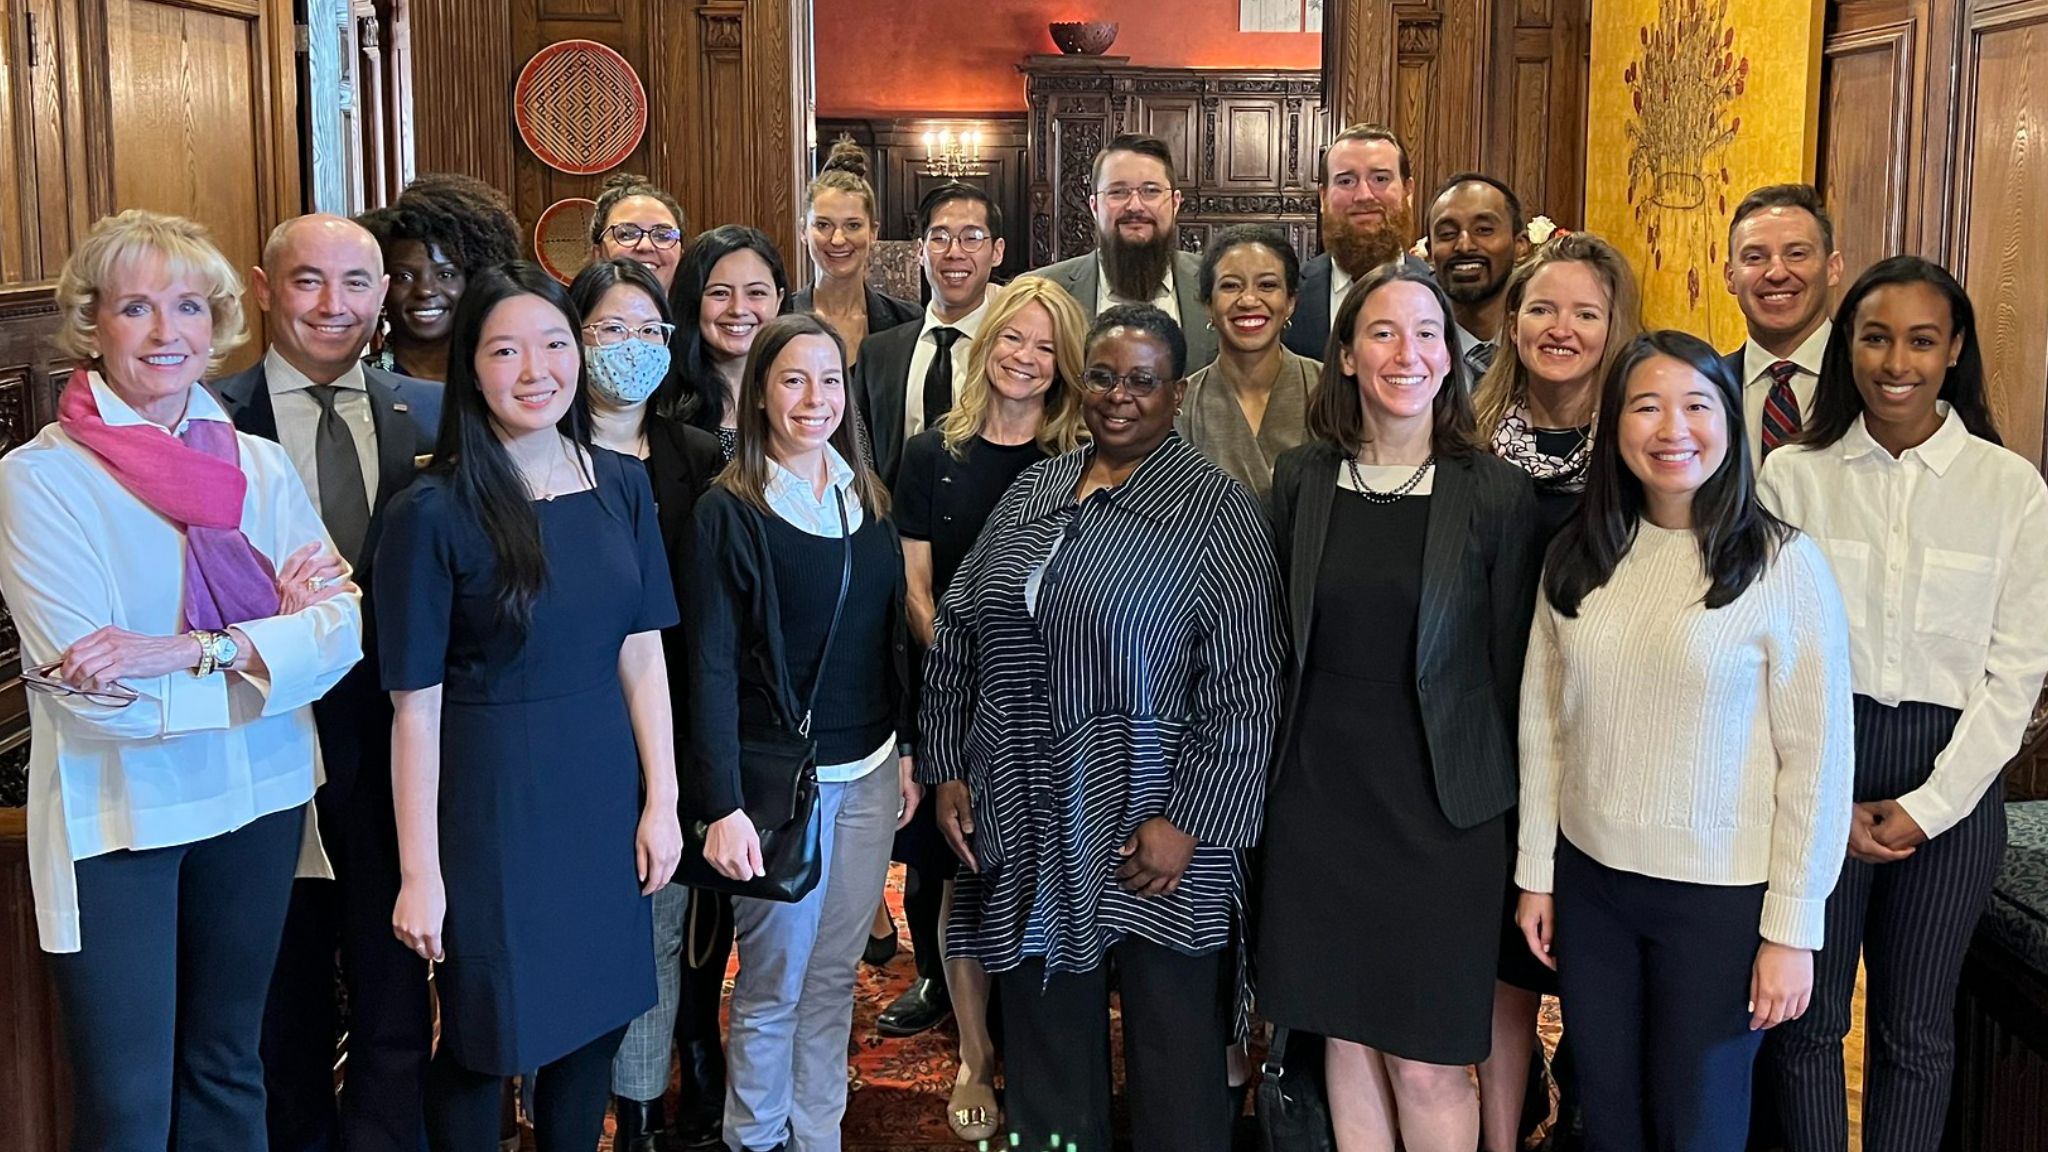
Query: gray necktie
(344, 503)
(1479, 357)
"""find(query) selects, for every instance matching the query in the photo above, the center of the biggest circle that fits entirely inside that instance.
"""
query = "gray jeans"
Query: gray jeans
(792, 1001)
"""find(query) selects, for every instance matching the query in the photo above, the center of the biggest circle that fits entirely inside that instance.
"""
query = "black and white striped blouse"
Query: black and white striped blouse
(1097, 664)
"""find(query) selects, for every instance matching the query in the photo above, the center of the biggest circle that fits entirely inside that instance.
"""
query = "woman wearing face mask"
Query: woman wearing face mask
(730, 283)
(1569, 311)
(440, 232)
(1410, 559)
(625, 354)
(636, 220)
(1099, 703)
(1925, 519)
(1251, 405)
(522, 591)
(1020, 403)
(798, 589)
(1686, 760)
(839, 229)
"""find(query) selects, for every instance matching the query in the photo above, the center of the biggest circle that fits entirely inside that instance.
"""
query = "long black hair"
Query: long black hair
(485, 482)
(694, 391)
(1737, 537)
(1837, 403)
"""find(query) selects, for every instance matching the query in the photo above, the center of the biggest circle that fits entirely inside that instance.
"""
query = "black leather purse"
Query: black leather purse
(778, 786)
(1293, 1108)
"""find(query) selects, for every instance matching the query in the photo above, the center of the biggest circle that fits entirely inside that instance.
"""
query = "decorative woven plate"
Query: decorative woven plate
(561, 237)
(579, 107)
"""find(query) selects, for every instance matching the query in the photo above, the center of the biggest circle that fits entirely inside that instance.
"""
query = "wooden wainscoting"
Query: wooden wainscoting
(35, 1076)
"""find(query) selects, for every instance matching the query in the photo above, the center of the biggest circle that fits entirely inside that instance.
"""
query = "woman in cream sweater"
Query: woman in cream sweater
(1686, 726)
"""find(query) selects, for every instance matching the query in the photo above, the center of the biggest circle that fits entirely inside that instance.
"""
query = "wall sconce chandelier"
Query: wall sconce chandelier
(951, 156)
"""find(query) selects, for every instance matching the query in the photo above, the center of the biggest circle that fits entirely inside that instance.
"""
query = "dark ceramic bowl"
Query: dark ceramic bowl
(1083, 37)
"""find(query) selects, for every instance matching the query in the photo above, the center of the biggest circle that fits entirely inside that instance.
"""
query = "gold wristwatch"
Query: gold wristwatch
(217, 651)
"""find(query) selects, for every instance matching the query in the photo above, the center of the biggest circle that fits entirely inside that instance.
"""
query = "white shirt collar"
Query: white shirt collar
(968, 324)
(115, 412)
(1339, 281)
(1756, 361)
(786, 488)
(281, 376)
(1937, 452)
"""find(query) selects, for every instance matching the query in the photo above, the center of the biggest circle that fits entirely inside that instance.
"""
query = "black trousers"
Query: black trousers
(922, 902)
(1910, 921)
(569, 1100)
(390, 1015)
(1653, 979)
(700, 1044)
(163, 1002)
(1176, 1025)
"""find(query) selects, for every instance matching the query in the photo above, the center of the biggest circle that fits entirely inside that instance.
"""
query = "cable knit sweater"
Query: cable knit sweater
(1712, 747)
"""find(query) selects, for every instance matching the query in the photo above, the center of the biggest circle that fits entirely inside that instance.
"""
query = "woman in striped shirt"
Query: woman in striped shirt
(1098, 712)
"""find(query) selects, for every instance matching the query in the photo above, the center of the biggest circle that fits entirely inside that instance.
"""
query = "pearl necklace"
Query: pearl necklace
(1378, 497)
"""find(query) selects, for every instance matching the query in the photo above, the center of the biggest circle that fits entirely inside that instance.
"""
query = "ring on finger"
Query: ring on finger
(316, 583)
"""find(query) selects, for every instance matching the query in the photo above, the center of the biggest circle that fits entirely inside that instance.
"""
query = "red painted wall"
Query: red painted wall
(880, 57)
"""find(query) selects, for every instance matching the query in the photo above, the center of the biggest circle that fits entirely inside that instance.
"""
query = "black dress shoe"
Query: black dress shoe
(880, 949)
(923, 1005)
(640, 1125)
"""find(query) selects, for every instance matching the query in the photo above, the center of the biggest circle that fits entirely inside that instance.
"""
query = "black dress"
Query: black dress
(1379, 920)
(547, 932)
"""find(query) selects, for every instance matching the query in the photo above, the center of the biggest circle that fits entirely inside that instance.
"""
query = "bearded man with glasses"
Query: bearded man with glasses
(1137, 257)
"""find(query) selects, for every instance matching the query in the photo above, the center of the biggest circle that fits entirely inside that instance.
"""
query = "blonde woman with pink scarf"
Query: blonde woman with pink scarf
(180, 609)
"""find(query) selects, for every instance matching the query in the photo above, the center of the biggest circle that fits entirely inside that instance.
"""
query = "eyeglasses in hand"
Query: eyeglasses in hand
(969, 239)
(1137, 385)
(607, 332)
(661, 235)
(44, 678)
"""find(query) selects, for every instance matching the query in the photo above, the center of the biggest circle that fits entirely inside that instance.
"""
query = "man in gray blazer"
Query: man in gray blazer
(353, 434)
(1137, 259)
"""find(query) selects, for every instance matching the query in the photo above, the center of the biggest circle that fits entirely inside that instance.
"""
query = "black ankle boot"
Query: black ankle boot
(640, 1125)
(700, 1117)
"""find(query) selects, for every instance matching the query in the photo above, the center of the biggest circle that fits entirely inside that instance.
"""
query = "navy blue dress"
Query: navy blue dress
(547, 935)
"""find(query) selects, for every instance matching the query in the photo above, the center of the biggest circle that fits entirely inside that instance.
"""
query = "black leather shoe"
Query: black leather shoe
(640, 1125)
(880, 949)
(923, 1005)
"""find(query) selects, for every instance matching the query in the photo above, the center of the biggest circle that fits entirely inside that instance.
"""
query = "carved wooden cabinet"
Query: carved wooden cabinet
(1245, 145)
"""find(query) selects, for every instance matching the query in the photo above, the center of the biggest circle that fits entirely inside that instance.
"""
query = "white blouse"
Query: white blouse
(194, 756)
(1942, 555)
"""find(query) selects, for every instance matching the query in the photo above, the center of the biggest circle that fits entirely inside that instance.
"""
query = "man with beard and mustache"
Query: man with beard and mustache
(1137, 259)
(1476, 238)
(1367, 222)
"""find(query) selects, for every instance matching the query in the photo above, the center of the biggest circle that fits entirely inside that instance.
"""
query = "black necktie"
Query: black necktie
(938, 379)
(344, 502)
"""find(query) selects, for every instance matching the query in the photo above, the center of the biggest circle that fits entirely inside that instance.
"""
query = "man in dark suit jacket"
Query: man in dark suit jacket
(1368, 220)
(1137, 259)
(353, 433)
(1782, 270)
(907, 376)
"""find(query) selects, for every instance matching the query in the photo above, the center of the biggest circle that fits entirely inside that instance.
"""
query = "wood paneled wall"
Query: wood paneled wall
(725, 119)
(896, 156)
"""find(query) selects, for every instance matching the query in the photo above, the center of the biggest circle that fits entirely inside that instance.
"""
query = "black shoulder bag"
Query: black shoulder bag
(1293, 1111)
(779, 786)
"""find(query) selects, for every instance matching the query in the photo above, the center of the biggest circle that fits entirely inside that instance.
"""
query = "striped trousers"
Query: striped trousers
(1910, 922)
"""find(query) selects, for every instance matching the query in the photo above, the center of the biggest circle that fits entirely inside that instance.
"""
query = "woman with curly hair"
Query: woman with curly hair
(441, 231)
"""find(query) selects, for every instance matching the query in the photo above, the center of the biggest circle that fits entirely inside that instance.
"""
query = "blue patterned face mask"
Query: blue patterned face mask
(627, 372)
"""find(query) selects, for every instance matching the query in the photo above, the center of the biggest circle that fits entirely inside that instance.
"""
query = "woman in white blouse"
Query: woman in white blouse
(180, 609)
(1686, 760)
(1939, 538)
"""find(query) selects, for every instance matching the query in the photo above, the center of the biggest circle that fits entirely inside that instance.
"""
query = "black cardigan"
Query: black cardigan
(738, 669)
(681, 462)
(1481, 560)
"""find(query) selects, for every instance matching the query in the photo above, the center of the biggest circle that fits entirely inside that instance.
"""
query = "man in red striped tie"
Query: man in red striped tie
(1782, 266)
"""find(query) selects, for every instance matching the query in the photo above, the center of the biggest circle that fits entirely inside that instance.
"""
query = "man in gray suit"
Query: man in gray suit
(1137, 259)
(353, 433)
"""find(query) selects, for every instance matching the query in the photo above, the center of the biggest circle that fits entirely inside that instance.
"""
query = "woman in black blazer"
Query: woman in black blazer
(1410, 564)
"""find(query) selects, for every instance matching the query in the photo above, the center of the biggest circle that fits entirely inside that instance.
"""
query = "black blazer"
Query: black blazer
(682, 460)
(881, 379)
(354, 718)
(884, 311)
(1308, 333)
(1480, 566)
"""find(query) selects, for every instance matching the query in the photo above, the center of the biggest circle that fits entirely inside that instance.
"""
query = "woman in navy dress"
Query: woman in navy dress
(533, 753)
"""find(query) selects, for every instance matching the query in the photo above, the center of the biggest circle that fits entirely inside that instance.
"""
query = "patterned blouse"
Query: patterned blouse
(1097, 664)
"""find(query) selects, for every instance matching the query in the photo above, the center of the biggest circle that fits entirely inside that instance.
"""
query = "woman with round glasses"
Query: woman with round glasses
(636, 220)
(626, 334)
(180, 608)
(839, 230)
(1099, 705)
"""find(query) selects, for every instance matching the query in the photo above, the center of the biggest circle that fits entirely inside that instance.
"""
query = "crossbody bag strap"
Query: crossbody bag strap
(803, 724)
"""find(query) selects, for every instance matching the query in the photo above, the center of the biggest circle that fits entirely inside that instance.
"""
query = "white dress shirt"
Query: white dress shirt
(1340, 283)
(194, 756)
(792, 498)
(1167, 299)
(1942, 555)
(1756, 382)
(921, 361)
(298, 420)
